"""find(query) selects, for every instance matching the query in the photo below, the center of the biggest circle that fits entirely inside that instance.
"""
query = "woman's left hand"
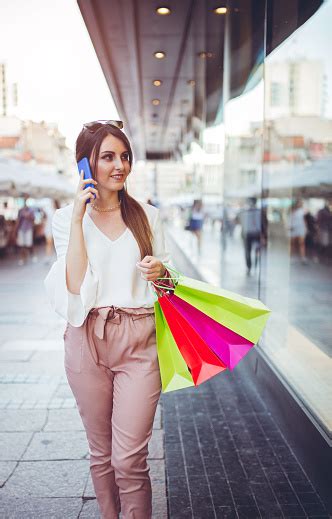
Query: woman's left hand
(151, 268)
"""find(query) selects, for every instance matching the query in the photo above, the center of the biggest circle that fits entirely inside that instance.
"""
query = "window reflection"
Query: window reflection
(277, 225)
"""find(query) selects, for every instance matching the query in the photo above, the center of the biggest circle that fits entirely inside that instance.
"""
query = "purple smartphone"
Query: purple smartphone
(84, 165)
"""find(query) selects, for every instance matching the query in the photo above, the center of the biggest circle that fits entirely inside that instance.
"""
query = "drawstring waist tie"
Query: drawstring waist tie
(113, 315)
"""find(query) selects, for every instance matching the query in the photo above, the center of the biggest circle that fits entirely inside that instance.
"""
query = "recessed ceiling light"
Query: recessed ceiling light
(205, 55)
(159, 54)
(191, 82)
(157, 82)
(163, 11)
(220, 10)
(156, 102)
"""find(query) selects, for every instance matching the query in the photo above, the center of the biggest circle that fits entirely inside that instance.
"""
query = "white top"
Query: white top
(112, 277)
(297, 225)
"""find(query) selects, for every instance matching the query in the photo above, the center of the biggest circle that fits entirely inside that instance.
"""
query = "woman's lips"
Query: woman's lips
(117, 178)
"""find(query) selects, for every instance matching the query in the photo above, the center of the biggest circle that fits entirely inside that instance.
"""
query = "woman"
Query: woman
(297, 230)
(196, 222)
(108, 250)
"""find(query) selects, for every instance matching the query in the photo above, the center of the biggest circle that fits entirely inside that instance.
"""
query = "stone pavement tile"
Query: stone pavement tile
(47, 479)
(6, 469)
(19, 420)
(248, 512)
(226, 512)
(177, 511)
(12, 508)
(63, 420)
(13, 445)
(293, 510)
(51, 358)
(22, 331)
(204, 511)
(90, 510)
(27, 391)
(16, 356)
(89, 491)
(314, 509)
(157, 470)
(159, 501)
(157, 418)
(156, 449)
(32, 345)
(63, 391)
(57, 446)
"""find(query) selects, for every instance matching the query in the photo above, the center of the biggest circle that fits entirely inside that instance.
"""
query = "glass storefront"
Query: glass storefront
(277, 226)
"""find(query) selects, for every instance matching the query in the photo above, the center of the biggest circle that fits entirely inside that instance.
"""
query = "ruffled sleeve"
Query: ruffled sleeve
(72, 307)
(159, 245)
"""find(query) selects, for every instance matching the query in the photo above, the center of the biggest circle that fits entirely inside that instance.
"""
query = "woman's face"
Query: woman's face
(113, 165)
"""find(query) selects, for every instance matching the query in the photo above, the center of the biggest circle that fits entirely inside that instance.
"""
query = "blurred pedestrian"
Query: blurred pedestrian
(297, 230)
(49, 211)
(251, 228)
(4, 235)
(324, 222)
(24, 232)
(310, 240)
(196, 221)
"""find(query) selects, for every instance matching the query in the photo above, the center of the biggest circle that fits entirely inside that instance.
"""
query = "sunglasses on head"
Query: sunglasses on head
(93, 126)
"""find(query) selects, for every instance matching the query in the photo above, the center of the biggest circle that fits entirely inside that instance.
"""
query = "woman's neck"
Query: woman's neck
(107, 199)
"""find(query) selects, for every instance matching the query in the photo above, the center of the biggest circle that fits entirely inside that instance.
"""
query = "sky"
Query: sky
(48, 52)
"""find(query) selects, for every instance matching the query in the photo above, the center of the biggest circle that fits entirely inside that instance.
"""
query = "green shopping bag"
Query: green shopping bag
(243, 315)
(174, 372)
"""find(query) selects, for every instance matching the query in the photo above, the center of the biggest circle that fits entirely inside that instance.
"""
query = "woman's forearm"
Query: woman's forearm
(76, 258)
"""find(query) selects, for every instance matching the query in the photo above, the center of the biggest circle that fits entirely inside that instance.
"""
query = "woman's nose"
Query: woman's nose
(118, 164)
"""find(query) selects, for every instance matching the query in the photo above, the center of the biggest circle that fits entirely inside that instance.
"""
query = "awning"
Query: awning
(17, 178)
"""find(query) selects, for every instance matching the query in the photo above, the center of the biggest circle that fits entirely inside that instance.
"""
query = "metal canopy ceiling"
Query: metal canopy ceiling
(125, 34)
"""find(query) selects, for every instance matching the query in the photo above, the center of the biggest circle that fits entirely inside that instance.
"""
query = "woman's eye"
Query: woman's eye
(125, 156)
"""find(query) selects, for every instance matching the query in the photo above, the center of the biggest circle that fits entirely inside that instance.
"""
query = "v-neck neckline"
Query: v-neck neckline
(102, 233)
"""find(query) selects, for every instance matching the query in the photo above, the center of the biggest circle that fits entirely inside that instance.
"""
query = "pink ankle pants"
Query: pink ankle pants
(112, 368)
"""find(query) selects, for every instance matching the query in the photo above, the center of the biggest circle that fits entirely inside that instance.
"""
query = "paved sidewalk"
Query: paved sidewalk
(44, 460)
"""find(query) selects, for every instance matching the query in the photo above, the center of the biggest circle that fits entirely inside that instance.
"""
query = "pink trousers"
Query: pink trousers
(112, 368)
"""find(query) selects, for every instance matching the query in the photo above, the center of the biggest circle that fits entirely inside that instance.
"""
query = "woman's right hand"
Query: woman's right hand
(82, 195)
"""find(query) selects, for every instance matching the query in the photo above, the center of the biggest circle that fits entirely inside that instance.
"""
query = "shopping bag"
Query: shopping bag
(243, 315)
(174, 372)
(226, 344)
(200, 359)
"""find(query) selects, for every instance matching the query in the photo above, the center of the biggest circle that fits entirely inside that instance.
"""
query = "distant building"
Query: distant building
(295, 88)
(36, 143)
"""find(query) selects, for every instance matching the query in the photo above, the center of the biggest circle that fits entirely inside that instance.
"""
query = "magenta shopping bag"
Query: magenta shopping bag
(226, 344)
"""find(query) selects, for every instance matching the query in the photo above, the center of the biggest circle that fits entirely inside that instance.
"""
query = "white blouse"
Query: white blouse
(112, 277)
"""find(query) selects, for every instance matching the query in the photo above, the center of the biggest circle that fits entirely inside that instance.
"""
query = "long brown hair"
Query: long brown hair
(88, 145)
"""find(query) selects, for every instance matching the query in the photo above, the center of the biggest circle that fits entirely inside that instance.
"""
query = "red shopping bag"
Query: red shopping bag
(229, 346)
(200, 359)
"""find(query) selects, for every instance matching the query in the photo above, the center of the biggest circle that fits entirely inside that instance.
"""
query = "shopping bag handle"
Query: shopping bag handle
(159, 285)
